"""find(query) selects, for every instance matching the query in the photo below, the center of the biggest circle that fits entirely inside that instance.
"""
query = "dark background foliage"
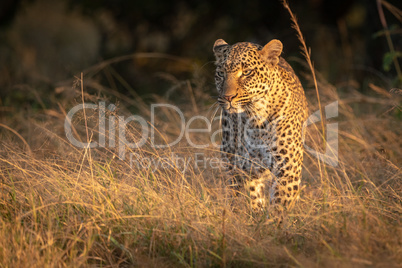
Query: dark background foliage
(47, 42)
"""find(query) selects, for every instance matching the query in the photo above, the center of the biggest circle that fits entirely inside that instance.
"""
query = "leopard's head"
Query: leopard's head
(243, 72)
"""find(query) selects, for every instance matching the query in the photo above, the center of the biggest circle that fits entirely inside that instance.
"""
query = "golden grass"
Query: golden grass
(63, 206)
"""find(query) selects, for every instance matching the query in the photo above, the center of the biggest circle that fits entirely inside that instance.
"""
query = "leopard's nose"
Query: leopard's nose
(229, 98)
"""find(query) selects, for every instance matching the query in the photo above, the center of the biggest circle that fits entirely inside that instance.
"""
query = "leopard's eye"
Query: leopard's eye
(220, 73)
(247, 72)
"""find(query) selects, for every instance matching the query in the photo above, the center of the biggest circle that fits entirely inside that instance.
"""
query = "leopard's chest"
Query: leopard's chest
(248, 142)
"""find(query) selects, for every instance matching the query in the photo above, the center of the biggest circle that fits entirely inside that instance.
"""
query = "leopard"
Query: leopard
(264, 113)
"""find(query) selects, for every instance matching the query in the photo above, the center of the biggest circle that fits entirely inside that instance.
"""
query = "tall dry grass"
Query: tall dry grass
(65, 206)
(61, 205)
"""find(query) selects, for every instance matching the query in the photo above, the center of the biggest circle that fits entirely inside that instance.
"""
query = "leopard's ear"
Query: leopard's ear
(219, 49)
(271, 52)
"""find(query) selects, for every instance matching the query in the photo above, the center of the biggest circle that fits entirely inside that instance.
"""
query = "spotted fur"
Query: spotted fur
(264, 110)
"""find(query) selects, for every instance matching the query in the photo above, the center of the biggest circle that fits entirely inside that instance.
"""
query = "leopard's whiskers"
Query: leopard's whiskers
(220, 120)
(212, 107)
(249, 107)
(214, 113)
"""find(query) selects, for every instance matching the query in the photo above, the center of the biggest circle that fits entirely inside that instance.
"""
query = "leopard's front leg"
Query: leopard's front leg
(284, 191)
(285, 188)
(257, 186)
(288, 154)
